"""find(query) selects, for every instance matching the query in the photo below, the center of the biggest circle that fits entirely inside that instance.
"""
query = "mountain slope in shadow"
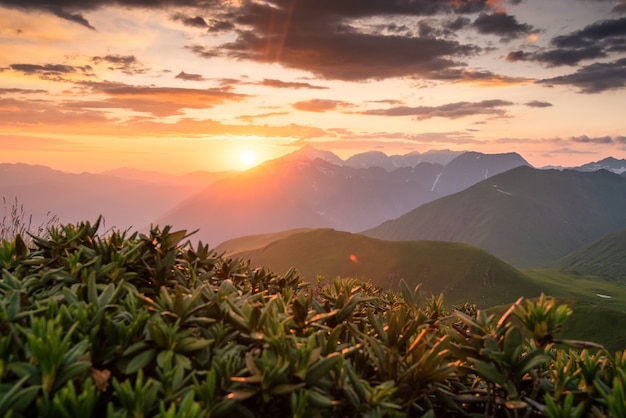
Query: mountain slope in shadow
(526, 217)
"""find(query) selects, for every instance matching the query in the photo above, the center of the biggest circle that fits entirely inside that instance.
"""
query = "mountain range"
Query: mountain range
(497, 202)
(304, 190)
(525, 216)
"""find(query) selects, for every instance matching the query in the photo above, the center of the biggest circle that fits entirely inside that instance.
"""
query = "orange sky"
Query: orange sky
(92, 86)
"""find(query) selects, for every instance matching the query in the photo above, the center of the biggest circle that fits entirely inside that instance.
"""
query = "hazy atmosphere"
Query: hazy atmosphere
(220, 85)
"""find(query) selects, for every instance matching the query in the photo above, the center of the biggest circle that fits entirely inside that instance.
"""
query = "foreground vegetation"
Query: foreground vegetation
(152, 325)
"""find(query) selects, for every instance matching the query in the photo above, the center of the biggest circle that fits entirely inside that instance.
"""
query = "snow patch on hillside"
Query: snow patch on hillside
(436, 181)
(495, 186)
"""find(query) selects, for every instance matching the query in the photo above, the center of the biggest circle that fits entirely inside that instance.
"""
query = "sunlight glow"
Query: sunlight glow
(248, 158)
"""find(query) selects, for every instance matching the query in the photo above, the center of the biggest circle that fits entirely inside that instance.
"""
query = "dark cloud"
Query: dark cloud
(289, 85)
(128, 64)
(597, 40)
(352, 56)
(457, 24)
(433, 28)
(478, 77)
(72, 17)
(595, 140)
(450, 110)
(501, 24)
(21, 91)
(318, 105)
(190, 77)
(203, 51)
(594, 78)
(194, 22)
(70, 10)
(326, 37)
(538, 103)
(52, 71)
(217, 25)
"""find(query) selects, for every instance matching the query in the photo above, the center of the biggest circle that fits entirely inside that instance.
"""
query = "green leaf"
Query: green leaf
(319, 400)
(321, 368)
(140, 361)
(189, 344)
(488, 371)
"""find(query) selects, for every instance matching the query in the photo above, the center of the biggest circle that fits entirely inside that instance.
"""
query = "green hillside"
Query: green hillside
(527, 217)
(254, 242)
(462, 272)
(605, 257)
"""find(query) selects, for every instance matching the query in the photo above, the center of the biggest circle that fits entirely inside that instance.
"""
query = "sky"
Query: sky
(213, 85)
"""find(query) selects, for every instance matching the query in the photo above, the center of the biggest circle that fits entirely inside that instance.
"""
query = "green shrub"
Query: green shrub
(134, 325)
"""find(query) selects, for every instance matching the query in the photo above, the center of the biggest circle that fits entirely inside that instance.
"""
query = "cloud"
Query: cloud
(318, 105)
(203, 51)
(270, 82)
(538, 103)
(594, 140)
(482, 78)
(598, 40)
(57, 72)
(31, 115)
(189, 77)
(594, 78)
(450, 110)
(21, 91)
(158, 101)
(194, 22)
(501, 24)
(70, 10)
(250, 118)
(72, 17)
(128, 64)
(333, 40)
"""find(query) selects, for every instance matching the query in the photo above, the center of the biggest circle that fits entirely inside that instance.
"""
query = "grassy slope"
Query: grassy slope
(594, 318)
(585, 288)
(461, 272)
(605, 257)
(254, 242)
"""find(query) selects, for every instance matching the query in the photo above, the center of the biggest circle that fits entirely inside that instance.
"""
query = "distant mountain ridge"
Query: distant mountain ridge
(44, 193)
(304, 190)
(393, 162)
(610, 164)
(525, 216)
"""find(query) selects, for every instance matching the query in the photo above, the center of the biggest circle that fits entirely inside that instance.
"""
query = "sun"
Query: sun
(248, 158)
